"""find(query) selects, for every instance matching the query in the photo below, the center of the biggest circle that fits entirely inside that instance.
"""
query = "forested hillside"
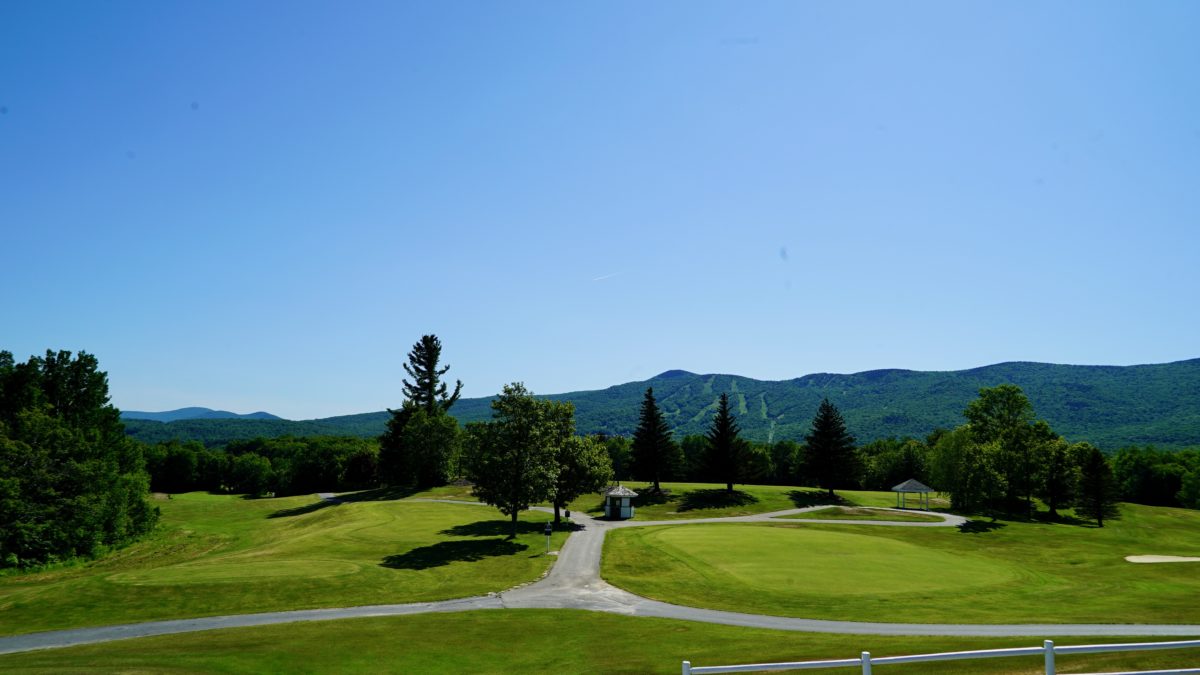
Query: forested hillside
(1110, 406)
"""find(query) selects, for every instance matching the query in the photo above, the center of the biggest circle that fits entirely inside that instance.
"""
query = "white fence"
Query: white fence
(1047, 651)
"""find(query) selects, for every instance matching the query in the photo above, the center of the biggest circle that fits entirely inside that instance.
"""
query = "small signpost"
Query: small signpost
(549, 529)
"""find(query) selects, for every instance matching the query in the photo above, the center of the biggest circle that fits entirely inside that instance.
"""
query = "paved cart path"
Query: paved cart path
(574, 583)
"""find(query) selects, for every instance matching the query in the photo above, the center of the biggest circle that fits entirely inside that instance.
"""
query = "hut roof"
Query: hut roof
(620, 491)
(912, 485)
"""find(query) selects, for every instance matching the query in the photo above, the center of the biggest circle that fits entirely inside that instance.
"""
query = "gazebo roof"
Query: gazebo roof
(912, 485)
(620, 491)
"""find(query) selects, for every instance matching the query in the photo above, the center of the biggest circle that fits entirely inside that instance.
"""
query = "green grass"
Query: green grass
(536, 641)
(219, 554)
(859, 513)
(710, 500)
(1005, 572)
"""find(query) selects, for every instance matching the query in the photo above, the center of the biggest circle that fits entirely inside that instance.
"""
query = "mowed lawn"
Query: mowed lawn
(1006, 572)
(538, 641)
(859, 513)
(683, 501)
(218, 554)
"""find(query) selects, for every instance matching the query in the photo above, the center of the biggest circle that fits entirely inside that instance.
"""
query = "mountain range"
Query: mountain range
(194, 414)
(1110, 406)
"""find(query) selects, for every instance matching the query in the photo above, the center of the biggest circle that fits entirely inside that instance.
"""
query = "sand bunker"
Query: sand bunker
(1159, 559)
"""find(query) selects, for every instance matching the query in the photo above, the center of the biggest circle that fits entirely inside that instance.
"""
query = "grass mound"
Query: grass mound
(219, 554)
(860, 513)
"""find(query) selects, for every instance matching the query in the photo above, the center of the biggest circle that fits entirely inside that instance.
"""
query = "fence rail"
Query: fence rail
(1048, 651)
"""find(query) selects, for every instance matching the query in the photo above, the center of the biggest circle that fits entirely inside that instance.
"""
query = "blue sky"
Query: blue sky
(258, 206)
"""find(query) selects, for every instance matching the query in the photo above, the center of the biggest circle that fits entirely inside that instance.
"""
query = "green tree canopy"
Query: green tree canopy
(1098, 493)
(512, 459)
(421, 440)
(427, 389)
(71, 482)
(655, 454)
(829, 452)
(583, 467)
(723, 447)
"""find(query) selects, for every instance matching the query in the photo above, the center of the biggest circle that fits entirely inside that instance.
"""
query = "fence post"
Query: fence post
(687, 668)
(866, 661)
(1048, 645)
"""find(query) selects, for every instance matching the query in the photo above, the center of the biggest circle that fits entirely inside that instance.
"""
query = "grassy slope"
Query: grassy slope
(224, 555)
(1014, 573)
(855, 513)
(532, 641)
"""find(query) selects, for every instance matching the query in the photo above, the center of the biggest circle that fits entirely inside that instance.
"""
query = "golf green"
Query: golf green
(821, 565)
(985, 572)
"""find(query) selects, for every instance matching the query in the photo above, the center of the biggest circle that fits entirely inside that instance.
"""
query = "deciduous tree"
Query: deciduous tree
(511, 459)
(583, 467)
(71, 482)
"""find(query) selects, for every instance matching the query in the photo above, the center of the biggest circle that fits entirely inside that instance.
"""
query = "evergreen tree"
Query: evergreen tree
(829, 455)
(655, 454)
(427, 389)
(723, 447)
(1097, 487)
(419, 448)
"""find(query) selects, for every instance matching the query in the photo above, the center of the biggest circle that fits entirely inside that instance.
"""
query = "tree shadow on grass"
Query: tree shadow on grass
(493, 528)
(807, 497)
(715, 498)
(376, 495)
(980, 526)
(446, 552)
(1064, 519)
(649, 497)
(379, 494)
(301, 510)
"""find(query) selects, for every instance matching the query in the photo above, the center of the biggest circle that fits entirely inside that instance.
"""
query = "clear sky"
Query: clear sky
(262, 206)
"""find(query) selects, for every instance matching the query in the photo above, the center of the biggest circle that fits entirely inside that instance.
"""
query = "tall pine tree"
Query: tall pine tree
(427, 389)
(425, 458)
(829, 454)
(655, 454)
(723, 447)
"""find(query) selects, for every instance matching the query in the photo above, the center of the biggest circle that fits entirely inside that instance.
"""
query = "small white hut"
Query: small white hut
(618, 504)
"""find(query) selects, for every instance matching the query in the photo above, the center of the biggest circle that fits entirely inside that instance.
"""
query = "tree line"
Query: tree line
(265, 466)
(73, 484)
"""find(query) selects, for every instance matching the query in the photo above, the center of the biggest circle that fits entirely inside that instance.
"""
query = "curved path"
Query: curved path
(574, 583)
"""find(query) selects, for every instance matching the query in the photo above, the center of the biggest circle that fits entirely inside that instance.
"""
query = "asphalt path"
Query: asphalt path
(574, 583)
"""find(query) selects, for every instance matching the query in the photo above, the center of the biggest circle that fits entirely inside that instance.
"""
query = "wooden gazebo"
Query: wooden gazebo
(912, 486)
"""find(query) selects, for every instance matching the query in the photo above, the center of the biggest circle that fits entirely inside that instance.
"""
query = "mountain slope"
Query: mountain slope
(1110, 406)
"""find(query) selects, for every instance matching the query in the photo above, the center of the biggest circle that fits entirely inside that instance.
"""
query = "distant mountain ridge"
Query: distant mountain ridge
(194, 414)
(1110, 406)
